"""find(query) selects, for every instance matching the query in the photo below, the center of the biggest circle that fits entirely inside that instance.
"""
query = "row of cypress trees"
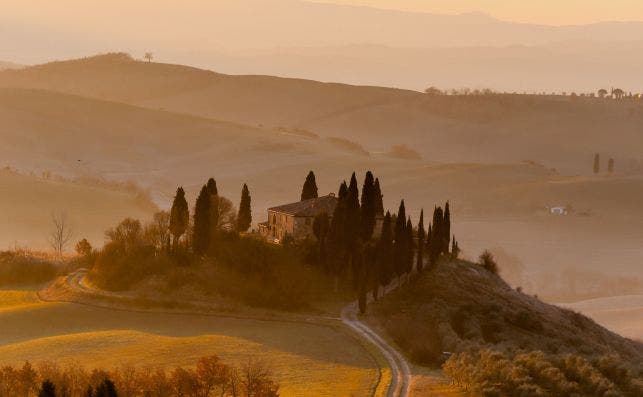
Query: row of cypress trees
(206, 217)
(350, 248)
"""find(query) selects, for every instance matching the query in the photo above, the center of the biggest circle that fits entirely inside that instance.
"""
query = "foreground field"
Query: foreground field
(305, 358)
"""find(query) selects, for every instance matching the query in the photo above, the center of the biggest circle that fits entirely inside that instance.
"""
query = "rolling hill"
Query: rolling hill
(27, 203)
(556, 131)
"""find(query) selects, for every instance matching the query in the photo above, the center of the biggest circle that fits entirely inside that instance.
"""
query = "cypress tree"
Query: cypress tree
(597, 163)
(437, 236)
(410, 247)
(384, 258)
(336, 239)
(201, 237)
(399, 245)
(309, 191)
(244, 218)
(212, 186)
(610, 166)
(446, 229)
(421, 242)
(379, 199)
(214, 209)
(47, 389)
(352, 225)
(429, 233)
(179, 217)
(368, 210)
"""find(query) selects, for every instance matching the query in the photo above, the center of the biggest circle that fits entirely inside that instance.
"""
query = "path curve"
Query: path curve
(400, 371)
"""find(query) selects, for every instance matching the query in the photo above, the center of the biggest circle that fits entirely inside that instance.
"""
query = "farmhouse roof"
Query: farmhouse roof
(309, 207)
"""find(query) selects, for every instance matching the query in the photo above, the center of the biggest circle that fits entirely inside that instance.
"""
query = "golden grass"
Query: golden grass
(12, 299)
(306, 359)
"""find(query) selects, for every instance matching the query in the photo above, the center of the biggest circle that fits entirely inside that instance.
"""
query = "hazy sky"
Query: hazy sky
(555, 12)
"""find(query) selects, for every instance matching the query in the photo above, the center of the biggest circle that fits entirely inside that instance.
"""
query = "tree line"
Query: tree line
(213, 214)
(349, 247)
(210, 377)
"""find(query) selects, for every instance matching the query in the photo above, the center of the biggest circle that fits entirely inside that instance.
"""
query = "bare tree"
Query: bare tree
(148, 56)
(61, 232)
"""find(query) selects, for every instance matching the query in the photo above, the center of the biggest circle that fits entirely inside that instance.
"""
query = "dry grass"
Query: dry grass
(306, 358)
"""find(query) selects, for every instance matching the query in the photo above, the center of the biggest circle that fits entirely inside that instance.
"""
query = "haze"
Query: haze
(373, 198)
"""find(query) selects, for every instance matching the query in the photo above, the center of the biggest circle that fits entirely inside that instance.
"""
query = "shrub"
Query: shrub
(23, 268)
(487, 261)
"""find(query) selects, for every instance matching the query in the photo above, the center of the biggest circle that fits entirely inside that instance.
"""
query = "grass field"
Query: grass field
(306, 359)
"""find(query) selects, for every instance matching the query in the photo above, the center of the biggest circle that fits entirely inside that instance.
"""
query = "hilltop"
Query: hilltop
(459, 307)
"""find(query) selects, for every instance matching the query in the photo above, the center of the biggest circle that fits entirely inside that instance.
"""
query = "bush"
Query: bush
(487, 261)
(536, 374)
(18, 268)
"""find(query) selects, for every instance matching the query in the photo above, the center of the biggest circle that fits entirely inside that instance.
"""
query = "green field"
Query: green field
(306, 359)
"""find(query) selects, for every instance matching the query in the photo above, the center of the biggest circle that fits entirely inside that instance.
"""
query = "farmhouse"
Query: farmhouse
(296, 219)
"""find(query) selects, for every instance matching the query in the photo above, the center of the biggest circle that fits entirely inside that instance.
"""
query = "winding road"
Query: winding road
(400, 370)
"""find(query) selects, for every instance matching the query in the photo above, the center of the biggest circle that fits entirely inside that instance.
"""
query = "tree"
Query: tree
(148, 56)
(368, 207)
(84, 248)
(455, 249)
(446, 229)
(597, 163)
(618, 93)
(212, 375)
(214, 208)
(379, 199)
(384, 260)
(400, 244)
(352, 226)
(487, 261)
(610, 166)
(61, 232)
(602, 93)
(47, 389)
(421, 242)
(179, 217)
(410, 248)
(201, 236)
(336, 239)
(157, 232)
(309, 191)
(244, 219)
(127, 235)
(437, 236)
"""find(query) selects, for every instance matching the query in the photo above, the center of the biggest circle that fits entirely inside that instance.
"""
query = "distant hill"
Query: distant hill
(555, 131)
(9, 65)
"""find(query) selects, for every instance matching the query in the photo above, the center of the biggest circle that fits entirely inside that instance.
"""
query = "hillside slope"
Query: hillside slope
(27, 203)
(461, 307)
(556, 131)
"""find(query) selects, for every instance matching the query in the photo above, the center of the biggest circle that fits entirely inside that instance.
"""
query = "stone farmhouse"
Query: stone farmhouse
(296, 219)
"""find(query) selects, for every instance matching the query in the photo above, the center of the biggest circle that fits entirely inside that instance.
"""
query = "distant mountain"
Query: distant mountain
(199, 26)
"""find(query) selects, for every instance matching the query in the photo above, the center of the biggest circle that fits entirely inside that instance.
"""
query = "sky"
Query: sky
(549, 12)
